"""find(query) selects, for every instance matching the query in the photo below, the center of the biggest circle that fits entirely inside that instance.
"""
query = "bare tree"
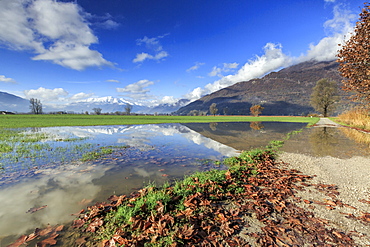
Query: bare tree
(354, 59)
(128, 109)
(324, 96)
(35, 106)
(213, 109)
(97, 111)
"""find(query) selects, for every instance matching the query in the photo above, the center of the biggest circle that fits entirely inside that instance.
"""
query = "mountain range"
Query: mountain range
(111, 104)
(286, 92)
(13, 103)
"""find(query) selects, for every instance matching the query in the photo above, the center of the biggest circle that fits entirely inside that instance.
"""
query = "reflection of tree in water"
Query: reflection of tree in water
(256, 125)
(35, 129)
(213, 126)
(323, 141)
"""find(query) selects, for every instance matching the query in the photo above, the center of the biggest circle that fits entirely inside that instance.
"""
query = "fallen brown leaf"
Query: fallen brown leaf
(35, 209)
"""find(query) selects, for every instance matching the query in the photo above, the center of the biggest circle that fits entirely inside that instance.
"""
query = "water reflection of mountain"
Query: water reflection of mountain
(243, 136)
(140, 136)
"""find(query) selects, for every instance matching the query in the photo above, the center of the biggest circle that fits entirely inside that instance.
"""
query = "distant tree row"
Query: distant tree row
(128, 109)
(36, 108)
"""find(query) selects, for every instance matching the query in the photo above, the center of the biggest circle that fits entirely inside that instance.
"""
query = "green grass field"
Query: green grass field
(20, 121)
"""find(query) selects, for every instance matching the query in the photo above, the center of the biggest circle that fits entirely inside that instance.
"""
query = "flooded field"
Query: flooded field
(56, 178)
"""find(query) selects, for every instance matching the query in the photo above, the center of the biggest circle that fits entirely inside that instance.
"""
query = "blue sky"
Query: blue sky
(152, 52)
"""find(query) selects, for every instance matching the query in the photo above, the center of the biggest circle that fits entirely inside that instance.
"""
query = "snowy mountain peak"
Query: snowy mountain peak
(106, 100)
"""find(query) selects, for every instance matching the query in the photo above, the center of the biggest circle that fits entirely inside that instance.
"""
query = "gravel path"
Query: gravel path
(350, 209)
(326, 122)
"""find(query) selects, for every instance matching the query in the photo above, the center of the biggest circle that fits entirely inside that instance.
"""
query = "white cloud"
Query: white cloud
(57, 97)
(55, 31)
(152, 44)
(137, 90)
(195, 67)
(105, 22)
(168, 100)
(338, 29)
(143, 56)
(195, 94)
(116, 81)
(44, 94)
(72, 55)
(272, 59)
(227, 67)
(329, 1)
(15, 30)
(109, 24)
(6, 80)
(79, 96)
(160, 55)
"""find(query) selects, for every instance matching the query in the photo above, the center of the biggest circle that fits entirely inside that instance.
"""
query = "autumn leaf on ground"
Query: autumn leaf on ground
(35, 209)
(80, 241)
(95, 224)
(49, 241)
(186, 232)
(78, 223)
(85, 201)
(364, 201)
(228, 175)
(44, 231)
(21, 240)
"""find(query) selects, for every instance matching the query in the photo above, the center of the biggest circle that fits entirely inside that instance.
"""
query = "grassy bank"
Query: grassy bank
(357, 118)
(20, 121)
(177, 214)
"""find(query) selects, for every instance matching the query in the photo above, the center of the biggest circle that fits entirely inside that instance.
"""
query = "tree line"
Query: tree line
(36, 108)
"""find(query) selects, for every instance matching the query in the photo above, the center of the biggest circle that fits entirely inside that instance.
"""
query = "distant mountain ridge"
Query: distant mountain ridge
(112, 104)
(12, 103)
(109, 104)
(286, 92)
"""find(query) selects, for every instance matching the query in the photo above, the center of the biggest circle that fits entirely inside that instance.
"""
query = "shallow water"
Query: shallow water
(156, 153)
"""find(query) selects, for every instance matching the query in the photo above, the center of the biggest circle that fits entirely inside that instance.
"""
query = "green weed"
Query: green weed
(5, 148)
(246, 157)
(70, 139)
(142, 206)
(97, 154)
